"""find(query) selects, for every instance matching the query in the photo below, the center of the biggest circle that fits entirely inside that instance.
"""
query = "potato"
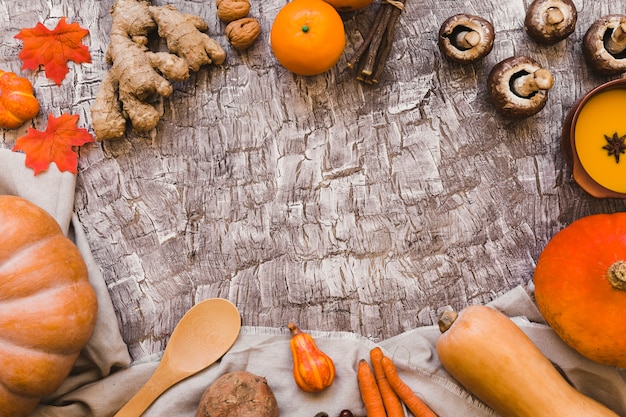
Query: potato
(238, 394)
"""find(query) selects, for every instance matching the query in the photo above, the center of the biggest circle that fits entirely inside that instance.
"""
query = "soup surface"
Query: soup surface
(600, 136)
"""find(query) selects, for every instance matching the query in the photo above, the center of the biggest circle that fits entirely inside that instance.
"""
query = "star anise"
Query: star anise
(615, 145)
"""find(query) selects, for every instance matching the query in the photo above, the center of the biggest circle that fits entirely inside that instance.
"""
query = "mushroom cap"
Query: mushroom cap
(465, 22)
(594, 50)
(545, 32)
(500, 81)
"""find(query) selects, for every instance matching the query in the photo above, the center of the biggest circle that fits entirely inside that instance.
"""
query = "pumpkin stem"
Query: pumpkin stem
(446, 320)
(616, 275)
(293, 328)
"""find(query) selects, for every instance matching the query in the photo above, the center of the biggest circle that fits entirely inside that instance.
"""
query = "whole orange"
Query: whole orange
(348, 5)
(307, 37)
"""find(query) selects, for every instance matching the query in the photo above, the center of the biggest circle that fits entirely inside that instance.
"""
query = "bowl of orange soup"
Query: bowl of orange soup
(594, 140)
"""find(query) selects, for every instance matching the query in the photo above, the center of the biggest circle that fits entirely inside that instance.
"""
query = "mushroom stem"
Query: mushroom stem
(617, 275)
(526, 85)
(467, 39)
(554, 16)
(616, 43)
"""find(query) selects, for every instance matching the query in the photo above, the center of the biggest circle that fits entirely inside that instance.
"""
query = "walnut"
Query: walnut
(243, 32)
(229, 10)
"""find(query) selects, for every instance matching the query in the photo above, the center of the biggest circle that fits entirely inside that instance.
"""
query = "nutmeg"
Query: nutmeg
(230, 10)
(242, 33)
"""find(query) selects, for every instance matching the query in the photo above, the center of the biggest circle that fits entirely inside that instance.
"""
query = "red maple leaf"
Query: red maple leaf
(56, 144)
(53, 48)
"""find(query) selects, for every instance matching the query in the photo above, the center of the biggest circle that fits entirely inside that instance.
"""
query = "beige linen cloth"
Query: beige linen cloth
(104, 377)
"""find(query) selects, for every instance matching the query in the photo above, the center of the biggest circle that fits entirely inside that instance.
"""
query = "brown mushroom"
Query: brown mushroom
(518, 86)
(604, 45)
(465, 38)
(550, 21)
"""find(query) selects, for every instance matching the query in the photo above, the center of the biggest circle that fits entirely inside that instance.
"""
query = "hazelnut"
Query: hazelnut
(243, 32)
(229, 10)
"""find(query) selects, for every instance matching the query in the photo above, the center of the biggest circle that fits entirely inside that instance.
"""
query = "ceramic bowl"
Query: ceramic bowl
(593, 131)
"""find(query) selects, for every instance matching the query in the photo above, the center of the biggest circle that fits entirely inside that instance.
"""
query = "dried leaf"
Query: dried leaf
(56, 144)
(53, 48)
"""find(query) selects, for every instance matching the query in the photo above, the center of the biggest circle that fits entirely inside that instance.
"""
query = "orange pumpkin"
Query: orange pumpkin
(349, 5)
(580, 286)
(17, 102)
(47, 306)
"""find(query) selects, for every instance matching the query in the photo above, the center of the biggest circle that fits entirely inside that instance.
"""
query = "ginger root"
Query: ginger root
(139, 77)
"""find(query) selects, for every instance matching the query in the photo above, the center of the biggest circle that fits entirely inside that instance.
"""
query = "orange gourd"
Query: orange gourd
(17, 102)
(349, 5)
(313, 370)
(580, 286)
(47, 306)
(307, 36)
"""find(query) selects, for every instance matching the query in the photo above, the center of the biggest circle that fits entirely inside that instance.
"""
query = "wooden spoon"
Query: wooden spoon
(204, 334)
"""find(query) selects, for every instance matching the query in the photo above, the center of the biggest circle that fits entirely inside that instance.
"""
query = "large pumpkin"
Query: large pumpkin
(47, 306)
(580, 286)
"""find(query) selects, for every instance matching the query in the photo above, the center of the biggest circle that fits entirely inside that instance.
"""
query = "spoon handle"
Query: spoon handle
(158, 383)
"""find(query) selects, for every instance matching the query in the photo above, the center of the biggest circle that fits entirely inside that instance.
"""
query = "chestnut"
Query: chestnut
(465, 38)
(518, 86)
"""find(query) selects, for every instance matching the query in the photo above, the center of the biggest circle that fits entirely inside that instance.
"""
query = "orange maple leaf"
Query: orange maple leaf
(53, 48)
(56, 144)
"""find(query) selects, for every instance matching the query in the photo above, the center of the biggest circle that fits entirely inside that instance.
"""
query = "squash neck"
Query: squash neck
(616, 274)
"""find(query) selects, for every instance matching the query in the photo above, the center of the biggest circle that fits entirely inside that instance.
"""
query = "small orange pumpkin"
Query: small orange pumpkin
(580, 286)
(48, 307)
(17, 102)
(313, 370)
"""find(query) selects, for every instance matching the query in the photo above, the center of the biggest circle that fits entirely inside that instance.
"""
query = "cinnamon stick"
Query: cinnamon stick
(373, 53)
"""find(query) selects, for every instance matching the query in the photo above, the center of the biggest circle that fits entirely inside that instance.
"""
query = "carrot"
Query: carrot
(392, 403)
(406, 394)
(370, 394)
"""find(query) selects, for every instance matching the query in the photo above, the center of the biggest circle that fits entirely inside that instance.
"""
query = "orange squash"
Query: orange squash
(17, 102)
(313, 370)
(47, 306)
(580, 286)
(496, 361)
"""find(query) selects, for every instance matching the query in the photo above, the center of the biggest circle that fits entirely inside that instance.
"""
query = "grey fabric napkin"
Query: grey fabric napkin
(98, 389)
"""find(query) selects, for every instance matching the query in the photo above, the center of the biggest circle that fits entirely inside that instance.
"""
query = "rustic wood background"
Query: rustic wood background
(338, 205)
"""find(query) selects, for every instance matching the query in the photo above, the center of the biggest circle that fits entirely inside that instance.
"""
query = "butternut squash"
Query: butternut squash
(496, 361)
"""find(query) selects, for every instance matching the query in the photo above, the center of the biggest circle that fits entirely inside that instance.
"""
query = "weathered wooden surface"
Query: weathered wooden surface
(321, 200)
